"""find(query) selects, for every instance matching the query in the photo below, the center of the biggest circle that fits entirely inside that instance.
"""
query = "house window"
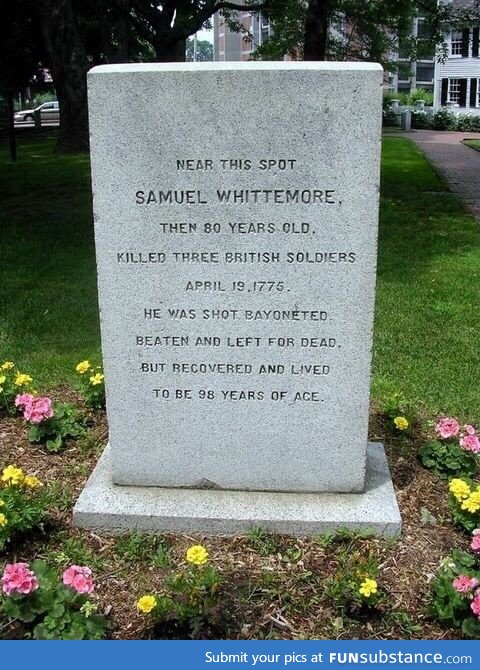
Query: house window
(457, 42)
(425, 72)
(454, 91)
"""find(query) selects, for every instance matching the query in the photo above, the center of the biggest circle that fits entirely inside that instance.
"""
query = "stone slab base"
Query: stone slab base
(104, 506)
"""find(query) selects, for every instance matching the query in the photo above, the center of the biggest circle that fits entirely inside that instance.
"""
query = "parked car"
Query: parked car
(49, 111)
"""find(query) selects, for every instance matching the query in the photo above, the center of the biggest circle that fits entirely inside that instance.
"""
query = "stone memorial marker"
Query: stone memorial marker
(236, 209)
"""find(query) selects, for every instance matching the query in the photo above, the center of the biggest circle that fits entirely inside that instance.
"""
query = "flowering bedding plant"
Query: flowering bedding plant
(92, 383)
(50, 608)
(23, 503)
(456, 590)
(12, 382)
(193, 600)
(50, 423)
(454, 452)
(465, 502)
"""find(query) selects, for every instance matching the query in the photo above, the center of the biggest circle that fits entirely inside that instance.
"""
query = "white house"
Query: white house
(457, 82)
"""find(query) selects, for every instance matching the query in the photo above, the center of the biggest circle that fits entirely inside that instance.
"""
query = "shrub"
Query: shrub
(92, 383)
(467, 123)
(444, 120)
(50, 423)
(455, 598)
(192, 597)
(420, 94)
(23, 503)
(50, 608)
(389, 118)
(421, 120)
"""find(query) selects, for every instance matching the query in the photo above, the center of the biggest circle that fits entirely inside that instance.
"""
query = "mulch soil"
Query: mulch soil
(273, 586)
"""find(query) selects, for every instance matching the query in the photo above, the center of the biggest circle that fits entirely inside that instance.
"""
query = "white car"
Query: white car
(49, 111)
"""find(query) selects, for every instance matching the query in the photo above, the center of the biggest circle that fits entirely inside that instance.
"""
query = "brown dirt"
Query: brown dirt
(274, 587)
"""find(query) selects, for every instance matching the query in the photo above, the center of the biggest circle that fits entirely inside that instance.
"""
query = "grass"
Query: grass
(475, 144)
(426, 328)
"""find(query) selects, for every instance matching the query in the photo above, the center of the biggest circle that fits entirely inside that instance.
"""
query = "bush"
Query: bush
(467, 123)
(421, 120)
(389, 118)
(420, 94)
(444, 120)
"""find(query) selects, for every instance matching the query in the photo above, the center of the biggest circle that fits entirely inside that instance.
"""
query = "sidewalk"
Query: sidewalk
(459, 164)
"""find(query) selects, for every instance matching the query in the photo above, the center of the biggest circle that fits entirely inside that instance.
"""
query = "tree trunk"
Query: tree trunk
(11, 127)
(168, 51)
(69, 65)
(316, 30)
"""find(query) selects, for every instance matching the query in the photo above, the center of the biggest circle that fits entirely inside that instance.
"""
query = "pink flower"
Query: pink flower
(475, 605)
(38, 410)
(464, 584)
(79, 578)
(470, 430)
(23, 400)
(475, 544)
(18, 578)
(447, 427)
(470, 443)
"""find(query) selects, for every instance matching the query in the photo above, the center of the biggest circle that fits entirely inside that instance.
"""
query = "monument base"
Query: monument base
(104, 506)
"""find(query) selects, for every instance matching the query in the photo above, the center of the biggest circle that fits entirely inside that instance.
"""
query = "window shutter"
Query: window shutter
(465, 42)
(473, 92)
(463, 93)
(475, 36)
(443, 100)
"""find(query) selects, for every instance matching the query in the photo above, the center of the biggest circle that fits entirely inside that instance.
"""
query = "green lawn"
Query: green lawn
(427, 314)
(475, 144)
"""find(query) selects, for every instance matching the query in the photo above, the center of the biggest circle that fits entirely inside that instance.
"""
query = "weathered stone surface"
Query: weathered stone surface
(116, 509)
(237, 294)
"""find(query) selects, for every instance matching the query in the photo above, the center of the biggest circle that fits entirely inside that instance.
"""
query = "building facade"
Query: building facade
(415, 74)
(233, 46)
(457, 80)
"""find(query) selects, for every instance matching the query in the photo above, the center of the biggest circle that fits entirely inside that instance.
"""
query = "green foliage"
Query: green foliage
(40, 98)
(389, 118)
(65, 423)
(145, 547)
(262, 542)
(24, 508)
(92, 384)
(54, 611)
(467, 520)
(444, 120)
(204, 50)
(421, 120)
(447, 604)
(10, 387)
(193, 600)
(467, 123)
(420, 94)
(344, 587)
(447, 459)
